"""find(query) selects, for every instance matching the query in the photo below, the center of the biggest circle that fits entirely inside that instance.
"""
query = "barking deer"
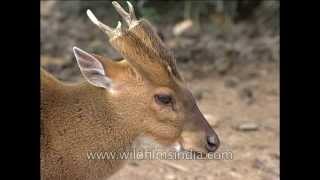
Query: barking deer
(142, 95)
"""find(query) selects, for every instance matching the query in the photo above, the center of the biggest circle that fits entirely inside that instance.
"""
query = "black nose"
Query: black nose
(212, 143)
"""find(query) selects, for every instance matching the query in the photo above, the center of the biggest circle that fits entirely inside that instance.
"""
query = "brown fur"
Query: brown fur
(145, 51)
(147, 34)
(77, 119)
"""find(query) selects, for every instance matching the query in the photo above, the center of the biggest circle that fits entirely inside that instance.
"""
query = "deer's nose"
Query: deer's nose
(212, 143)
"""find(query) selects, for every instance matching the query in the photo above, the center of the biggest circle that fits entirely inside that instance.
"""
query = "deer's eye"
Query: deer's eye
(163, 99)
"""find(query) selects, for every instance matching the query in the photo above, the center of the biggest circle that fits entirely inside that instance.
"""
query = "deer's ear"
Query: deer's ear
(92, 69)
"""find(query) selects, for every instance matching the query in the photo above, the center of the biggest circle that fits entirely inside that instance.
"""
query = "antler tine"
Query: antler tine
(129, 18)
(131, 11)
(111, 32)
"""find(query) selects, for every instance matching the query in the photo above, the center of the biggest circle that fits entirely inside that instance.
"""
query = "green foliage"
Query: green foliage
(151, 13)
(237, 10)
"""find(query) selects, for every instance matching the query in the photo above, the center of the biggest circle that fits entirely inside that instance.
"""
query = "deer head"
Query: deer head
(146, 87)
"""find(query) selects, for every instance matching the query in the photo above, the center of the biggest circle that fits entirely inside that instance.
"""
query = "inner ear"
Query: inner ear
(92, 69)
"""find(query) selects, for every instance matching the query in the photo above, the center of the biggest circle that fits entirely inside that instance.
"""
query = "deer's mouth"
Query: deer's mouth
(194, 153)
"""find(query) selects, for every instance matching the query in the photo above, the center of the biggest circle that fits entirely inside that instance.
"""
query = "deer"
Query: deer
(142, 97)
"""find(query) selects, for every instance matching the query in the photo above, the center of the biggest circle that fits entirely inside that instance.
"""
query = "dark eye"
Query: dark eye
(163, 99)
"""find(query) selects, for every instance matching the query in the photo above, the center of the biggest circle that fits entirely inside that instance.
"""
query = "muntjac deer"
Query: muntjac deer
(142, 96)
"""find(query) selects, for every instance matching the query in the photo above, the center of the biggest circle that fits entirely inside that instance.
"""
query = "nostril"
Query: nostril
(212, 143)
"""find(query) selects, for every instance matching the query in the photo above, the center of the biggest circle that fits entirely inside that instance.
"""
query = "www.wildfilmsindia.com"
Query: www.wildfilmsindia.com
(159, 155)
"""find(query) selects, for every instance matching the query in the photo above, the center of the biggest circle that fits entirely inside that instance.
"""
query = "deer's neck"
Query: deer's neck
(82, 119)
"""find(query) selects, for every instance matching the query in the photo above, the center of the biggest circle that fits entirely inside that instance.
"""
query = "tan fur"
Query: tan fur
(77, 119)
(70, 129)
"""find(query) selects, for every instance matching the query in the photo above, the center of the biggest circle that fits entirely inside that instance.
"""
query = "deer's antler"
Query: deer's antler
(140, 45)
(129, 17)
(111, 32)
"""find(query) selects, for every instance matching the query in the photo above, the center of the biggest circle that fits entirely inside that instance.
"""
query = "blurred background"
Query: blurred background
(228, 53)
